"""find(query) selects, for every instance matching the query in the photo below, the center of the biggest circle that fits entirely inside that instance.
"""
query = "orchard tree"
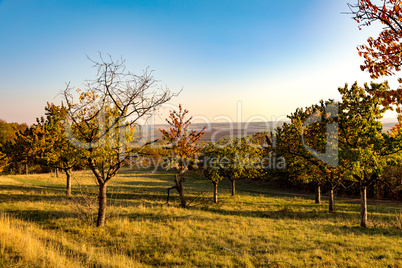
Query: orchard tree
(184, 149)
(103, 120)
(214, 161)
(235, 159)
(303, 142)
(321, 133)
(244, 160)
(364, 147)
(51, 146)
(302, 166)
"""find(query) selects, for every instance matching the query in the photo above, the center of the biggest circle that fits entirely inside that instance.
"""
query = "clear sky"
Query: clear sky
(272, 56)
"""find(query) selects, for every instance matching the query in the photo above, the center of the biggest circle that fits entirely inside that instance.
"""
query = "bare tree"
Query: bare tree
(103, 119)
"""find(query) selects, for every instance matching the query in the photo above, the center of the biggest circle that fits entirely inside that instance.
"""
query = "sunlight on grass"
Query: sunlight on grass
(258, 227)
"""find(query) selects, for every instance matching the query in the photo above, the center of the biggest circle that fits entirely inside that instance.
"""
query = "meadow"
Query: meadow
(262, 226)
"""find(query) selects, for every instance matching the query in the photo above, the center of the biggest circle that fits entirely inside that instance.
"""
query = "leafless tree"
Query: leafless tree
(103, 119)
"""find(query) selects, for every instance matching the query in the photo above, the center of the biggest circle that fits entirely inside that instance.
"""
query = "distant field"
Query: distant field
(260, 227)
(215, 131)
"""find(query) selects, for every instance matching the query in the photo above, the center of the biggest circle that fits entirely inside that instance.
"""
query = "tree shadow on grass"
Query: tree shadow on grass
(280, 212)
(358, 231)
(116, 199)
(41, 216)
(34, 188)
(165, 175)
(140, 189)
(156, 217)
(32, 194)
(286, 212)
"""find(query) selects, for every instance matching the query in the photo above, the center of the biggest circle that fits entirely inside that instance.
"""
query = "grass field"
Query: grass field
(260, 227)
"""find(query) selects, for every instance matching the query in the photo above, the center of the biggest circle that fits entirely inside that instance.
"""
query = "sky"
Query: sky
(237, 59)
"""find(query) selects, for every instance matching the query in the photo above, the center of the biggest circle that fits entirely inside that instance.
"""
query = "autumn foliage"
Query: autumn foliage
(183, 148)
(382, 55)
(182, 140)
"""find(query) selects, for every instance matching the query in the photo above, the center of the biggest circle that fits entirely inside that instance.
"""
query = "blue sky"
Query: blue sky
(270, 56)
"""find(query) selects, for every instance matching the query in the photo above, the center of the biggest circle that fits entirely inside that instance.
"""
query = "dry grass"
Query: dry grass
(42, 228)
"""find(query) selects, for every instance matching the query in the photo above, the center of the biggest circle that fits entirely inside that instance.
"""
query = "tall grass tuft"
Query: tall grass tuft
(398, 220)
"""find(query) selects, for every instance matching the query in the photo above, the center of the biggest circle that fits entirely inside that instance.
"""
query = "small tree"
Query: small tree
(183, 148)
(235, 159)
(103, 120)
(244, 160)
(302, 166)
(51, 146)
(213, 163)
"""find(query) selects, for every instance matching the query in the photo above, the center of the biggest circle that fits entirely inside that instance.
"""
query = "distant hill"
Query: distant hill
(388, 123)
(215, 131)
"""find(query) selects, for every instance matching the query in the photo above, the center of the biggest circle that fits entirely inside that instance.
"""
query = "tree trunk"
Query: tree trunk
(57, 172)
(183, 203)
(26, 169)
(363, 207)
(215, 192)
(102, 205)
(181, 194)
(318, 194)
(331, 200)
(68, 175)
(179, 188)
(233, 187)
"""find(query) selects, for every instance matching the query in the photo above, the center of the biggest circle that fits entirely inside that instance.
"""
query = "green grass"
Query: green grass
(40, 227)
